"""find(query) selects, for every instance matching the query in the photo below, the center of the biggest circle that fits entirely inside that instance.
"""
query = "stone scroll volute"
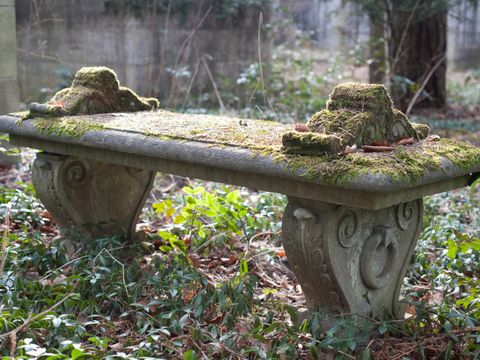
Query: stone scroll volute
(351, 260)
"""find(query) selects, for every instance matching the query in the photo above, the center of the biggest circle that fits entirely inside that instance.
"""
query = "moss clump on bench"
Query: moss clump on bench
(311, 143)
(94, 90)
(358, 114)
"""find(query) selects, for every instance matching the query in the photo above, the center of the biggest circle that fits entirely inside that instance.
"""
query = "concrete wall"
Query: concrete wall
(155, 54)
(334, 24)
(8, 58)
(464, 35)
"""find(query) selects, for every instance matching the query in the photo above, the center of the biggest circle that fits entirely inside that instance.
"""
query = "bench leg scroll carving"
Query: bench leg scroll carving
(351, 260)
(91, 197)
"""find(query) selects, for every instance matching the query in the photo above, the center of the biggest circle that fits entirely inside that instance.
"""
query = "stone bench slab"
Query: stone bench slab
(248, 153)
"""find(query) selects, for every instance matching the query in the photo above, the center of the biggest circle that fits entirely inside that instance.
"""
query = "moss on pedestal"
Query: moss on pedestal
(94, 90)
(360, 114)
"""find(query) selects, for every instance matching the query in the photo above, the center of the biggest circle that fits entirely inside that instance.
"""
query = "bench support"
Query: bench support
(349, 260)
(90, 197)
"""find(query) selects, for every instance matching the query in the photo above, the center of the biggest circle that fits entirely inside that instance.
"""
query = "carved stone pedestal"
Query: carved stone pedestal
(91, 197)
(351, 260)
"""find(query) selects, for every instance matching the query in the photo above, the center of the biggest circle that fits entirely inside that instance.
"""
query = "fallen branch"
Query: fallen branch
(371, 148)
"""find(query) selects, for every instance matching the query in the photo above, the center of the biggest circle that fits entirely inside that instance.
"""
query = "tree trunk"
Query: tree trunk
(418, 45)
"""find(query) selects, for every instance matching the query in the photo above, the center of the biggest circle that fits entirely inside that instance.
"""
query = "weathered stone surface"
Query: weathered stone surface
(91, 197)
(349, 260)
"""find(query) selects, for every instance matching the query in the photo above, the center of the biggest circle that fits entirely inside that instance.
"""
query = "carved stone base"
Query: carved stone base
(351, 260)
(91, 197)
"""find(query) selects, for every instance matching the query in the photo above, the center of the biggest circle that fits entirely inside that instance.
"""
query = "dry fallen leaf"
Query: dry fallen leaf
(350, 149)
(46, 215)
(213, 264)
(48, 229)
(301, 127)
(232, 259)
(281, 253)
(117, 347)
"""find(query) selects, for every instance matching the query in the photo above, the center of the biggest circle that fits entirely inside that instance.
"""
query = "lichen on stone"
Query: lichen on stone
(94, 90)
(360, 114)
(68, 127)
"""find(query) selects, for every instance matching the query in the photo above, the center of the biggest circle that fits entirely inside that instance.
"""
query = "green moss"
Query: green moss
(405, 163)
(98, 78)
(310, 143)
(360, 97)
(421, 129)
(94, 90)
(64, 127)
(349, 125)
(22, 115)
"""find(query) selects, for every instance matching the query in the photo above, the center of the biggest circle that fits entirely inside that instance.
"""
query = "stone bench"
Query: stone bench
(351, 223)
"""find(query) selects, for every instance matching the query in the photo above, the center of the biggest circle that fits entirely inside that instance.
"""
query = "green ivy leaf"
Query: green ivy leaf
(243, 267)
(190, 355)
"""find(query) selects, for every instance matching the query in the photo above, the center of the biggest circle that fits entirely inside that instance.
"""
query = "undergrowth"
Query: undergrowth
(206, 282)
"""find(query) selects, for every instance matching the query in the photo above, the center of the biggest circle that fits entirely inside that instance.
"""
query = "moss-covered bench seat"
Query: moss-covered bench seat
(351, 223)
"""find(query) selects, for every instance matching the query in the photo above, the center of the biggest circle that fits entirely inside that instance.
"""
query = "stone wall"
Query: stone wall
(8, 58)
(155, 53)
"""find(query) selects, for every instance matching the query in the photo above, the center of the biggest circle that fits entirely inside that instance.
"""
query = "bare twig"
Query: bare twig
(260, 63)
(183, 50)
(52, 272)
(424, 83)
(5, 238)
(119, 263)
(214, 84)
(192, 80)
(13, 345)
(40, 56)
